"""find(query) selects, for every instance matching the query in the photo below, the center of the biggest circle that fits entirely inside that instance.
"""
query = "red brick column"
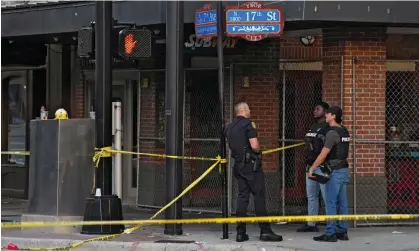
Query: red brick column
(79, 99)
(369, 46)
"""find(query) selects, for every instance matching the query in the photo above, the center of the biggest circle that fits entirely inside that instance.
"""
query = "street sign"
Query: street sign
(254, 22)
(206, 22)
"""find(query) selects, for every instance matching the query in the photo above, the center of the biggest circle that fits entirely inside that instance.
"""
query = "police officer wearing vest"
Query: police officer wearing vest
(245, 149)
(314, 144)
(334, 157)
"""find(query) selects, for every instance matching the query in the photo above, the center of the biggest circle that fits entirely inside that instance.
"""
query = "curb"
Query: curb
(135, 246)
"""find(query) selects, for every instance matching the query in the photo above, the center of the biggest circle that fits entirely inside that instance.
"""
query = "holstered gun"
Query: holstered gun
(255, 159)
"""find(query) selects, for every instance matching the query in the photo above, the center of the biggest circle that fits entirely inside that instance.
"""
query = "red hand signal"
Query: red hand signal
(129, 43)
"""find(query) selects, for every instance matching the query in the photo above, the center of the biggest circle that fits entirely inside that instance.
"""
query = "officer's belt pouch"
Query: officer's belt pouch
(257, 166)
(321, 175)
(257, 163)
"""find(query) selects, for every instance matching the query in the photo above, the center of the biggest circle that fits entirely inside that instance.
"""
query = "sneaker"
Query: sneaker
(307, 228)
(326, 238)
(342, 236)
(270, 236)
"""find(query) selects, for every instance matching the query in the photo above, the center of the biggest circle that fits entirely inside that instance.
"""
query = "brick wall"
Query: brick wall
(369, 44)
(292, 48)
(78, 106)
(402, 47)
(262, 93)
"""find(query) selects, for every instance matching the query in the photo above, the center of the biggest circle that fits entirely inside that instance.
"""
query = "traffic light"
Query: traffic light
(86, 42)
(134, 43)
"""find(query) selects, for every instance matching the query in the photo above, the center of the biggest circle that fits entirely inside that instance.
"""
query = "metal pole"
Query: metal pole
(283, 138)
(230, 166)
(174, 116)
(104, 92)
(118, 146)
(342, 72)
(29, 102)
(220, 55)
(354, 129)
(138, 130)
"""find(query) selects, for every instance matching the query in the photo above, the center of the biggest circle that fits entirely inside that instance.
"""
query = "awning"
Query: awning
(61, 17)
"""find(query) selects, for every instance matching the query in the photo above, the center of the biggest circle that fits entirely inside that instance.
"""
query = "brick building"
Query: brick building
(369, 67)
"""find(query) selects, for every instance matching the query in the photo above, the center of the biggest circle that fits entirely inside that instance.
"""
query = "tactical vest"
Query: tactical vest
(238, 141)
(315, 141)
(338, 156)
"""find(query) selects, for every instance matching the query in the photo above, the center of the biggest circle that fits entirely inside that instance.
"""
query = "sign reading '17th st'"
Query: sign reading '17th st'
(253, 21)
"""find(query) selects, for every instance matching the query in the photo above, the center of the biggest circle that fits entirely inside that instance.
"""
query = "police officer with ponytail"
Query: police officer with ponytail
(314, 144)
(245, 149)
(334, 156)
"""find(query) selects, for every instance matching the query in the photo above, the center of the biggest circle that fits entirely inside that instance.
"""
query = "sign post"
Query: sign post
(254, 22)
(209, 24)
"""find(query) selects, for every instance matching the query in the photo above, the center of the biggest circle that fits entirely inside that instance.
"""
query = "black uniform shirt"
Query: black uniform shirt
(238, 133)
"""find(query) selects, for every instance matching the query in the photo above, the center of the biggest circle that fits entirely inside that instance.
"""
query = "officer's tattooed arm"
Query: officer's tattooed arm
(252, 134)
(332, 139)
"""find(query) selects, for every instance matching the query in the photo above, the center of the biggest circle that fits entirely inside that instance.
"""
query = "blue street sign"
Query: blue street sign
(205, 17)
(263, 16)
(262, 21)
(206, 23)
(206, 30)
(253, 28)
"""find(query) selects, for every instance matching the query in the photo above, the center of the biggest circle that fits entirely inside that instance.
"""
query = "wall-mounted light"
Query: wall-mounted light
(307, 40)
(145, 82)
(246, 82)
(55, 39)
(156, 32)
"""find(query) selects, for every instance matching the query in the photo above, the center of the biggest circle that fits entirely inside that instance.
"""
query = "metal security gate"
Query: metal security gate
(284, 94)
(201, 134)
(386, 138)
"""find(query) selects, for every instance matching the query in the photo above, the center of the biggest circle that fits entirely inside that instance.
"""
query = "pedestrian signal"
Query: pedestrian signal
(134, 43)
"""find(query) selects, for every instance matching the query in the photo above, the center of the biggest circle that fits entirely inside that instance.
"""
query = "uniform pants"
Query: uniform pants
(250, 182)
(337, 200)
(313, 189)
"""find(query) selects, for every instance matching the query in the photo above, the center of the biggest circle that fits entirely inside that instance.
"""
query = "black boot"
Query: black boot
(270, 236)
(307, 228)
(342, 236)
(326, 238)
(242, 237)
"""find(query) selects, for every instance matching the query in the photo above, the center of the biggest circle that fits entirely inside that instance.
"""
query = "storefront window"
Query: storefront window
(17, 119)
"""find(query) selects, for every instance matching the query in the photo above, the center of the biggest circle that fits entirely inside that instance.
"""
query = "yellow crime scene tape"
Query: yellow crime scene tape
(107, 152)
(232, 220)
(15, 152)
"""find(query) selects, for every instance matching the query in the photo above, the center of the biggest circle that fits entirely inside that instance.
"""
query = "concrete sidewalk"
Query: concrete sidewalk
(207, 237)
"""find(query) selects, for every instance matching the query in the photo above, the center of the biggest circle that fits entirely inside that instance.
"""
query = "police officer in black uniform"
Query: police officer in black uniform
(334, 156)
(245, 149)
(314, 144)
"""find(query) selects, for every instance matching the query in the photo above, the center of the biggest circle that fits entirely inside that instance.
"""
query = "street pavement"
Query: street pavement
(207, 237)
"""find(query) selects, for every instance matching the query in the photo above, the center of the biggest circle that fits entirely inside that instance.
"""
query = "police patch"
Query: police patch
(253, 125)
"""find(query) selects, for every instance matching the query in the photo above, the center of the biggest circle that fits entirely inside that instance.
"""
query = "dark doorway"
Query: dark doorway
(202, 109)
